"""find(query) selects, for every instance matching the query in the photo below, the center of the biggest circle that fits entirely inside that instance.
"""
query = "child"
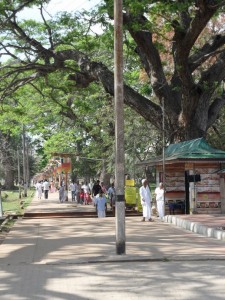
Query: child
(100, 202)
(81, 196)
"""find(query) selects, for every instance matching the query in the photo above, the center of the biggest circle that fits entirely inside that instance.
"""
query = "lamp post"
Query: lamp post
(119, 127)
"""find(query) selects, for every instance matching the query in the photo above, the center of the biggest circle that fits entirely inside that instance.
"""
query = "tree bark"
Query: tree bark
(7, 160)
(9, 174)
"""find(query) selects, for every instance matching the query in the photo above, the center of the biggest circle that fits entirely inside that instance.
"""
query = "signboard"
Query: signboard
(129, 182)
(66, 167)
(130, 195)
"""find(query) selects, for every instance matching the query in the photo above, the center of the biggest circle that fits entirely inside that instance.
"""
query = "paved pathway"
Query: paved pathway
(74, 258)
(73, 240)
(52, 204)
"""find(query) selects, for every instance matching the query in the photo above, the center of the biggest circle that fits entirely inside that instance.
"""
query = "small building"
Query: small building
(194, 175)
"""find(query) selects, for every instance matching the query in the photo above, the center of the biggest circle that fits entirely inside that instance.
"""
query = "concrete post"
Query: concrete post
(119, 127)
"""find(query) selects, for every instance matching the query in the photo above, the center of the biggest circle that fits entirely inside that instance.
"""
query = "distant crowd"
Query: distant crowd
(82, 193)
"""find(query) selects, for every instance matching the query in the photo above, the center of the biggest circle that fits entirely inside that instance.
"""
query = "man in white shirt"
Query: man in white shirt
(46, 188)
(73, 188)
(146, 198)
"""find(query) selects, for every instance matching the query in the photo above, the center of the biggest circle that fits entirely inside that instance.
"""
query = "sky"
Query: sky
(56, 6)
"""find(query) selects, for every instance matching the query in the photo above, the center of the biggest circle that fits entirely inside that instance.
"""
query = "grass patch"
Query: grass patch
(11, 204)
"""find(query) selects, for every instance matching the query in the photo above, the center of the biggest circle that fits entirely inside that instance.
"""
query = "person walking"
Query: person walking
(81, 196)
(78, 190)
(73, 187)
(52, 187)
(159, 192)
(145, 196)
(103, 187)
(85, 187)
(61, 193)
(100, 202)
(96, 188)
(46, 188)
(112, 196)
(39, 190)
(95, 191)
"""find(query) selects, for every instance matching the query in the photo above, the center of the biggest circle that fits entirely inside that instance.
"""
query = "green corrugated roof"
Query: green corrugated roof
(197, 149)
(194, 149)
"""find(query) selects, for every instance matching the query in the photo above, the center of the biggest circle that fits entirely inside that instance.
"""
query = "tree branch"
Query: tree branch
(151, 60)
(215, 109)
(184, 39)
(213, 76)
(203, 14)
(207, 51)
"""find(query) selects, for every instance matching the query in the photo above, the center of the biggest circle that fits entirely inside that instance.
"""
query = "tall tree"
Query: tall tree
(8, 159)
(183, 68)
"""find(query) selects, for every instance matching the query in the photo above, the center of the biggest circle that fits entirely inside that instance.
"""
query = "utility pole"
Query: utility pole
(119, 127)
(163, 139)
(163, 149)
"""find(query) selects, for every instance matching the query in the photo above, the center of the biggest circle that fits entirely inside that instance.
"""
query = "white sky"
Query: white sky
(56, 6)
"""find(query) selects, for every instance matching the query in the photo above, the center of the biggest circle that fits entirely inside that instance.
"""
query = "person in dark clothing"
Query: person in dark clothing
(96, 188)
(95, 191)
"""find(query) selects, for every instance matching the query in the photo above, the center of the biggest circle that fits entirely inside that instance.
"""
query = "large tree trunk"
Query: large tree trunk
(9, 175)
(7, 159)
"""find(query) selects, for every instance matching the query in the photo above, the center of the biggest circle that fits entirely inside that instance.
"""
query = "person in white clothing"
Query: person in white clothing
(101, 205)
(85, 187)
(39, 189)
(73, 187)
(46, 188)
(159, 192)
(145, 195)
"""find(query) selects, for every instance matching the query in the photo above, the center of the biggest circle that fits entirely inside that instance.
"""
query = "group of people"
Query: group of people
(42, 187)
(99, 192)
(93, 194)
(146, 199)
(85, 194)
